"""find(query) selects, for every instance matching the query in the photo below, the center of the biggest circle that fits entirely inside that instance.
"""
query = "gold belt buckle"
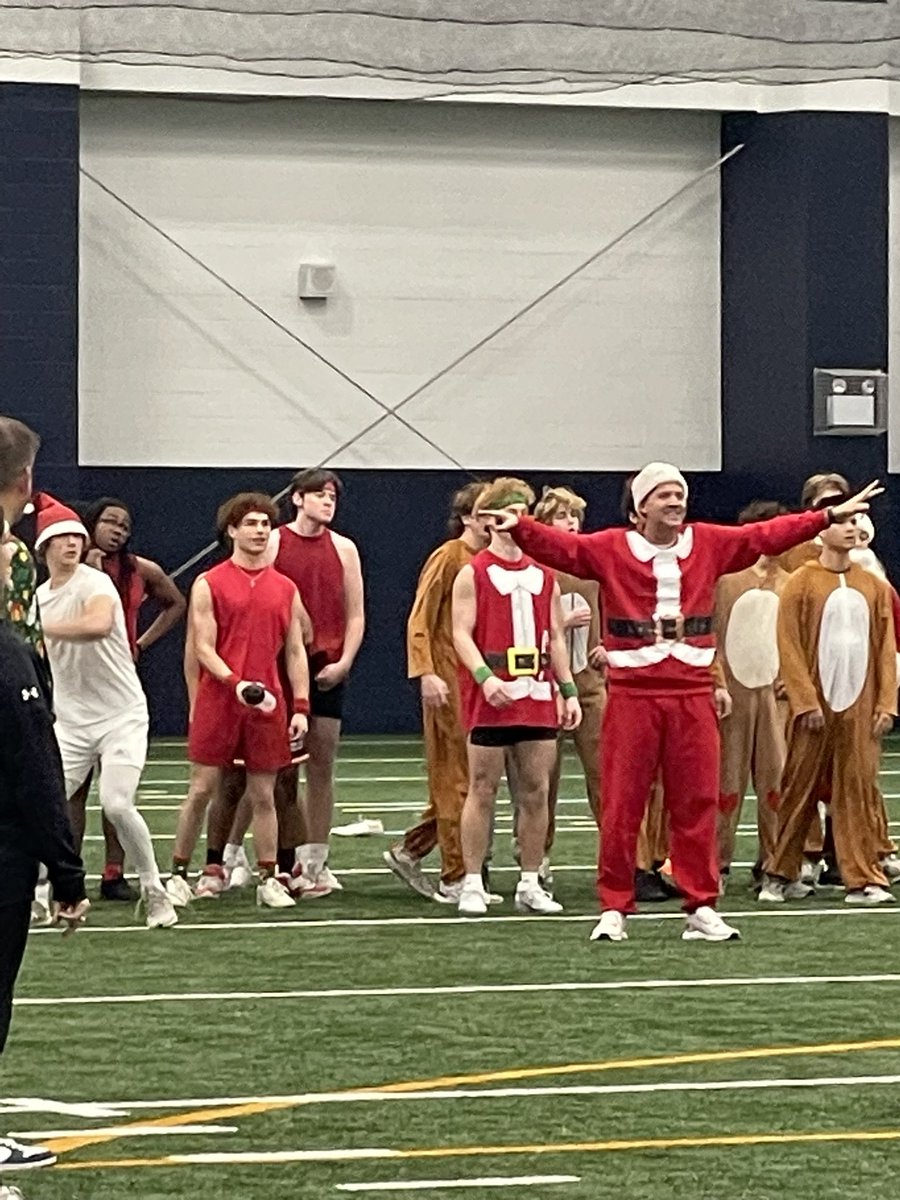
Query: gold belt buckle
(522, 660)
(669, 629)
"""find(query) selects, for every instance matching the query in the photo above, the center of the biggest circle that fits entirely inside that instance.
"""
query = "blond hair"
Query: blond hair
(818, 485)
(555, 500)
(504, 492)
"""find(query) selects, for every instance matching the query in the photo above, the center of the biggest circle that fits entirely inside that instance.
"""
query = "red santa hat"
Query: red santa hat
(54, 518)
(651, 477)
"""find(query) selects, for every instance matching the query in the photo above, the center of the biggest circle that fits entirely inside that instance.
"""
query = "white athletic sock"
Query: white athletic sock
(230, 856)
(312, 858)
(529, 878)
(118, 786)
(473, 881)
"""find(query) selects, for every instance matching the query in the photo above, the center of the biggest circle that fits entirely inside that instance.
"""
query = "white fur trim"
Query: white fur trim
(58, 528)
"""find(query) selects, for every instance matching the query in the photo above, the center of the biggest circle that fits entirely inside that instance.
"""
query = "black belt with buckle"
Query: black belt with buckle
(666, 629)
(527, 662)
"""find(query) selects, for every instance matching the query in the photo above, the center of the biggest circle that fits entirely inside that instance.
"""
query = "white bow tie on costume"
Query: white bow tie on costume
(506, 582)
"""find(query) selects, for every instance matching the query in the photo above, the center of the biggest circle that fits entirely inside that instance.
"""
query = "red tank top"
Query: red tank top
(253, 613)
(513, 604)
(133, 596)
(314, 565)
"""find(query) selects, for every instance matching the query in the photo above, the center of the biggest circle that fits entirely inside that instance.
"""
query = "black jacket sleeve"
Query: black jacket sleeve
(33, 809)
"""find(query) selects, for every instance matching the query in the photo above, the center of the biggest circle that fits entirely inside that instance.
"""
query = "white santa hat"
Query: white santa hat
(54, 519)
(650, 477)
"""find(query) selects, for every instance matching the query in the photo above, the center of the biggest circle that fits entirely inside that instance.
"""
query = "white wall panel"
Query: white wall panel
(442, 223)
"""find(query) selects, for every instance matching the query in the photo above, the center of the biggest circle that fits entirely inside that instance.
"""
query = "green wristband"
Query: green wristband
(482, 673)
(567, 689)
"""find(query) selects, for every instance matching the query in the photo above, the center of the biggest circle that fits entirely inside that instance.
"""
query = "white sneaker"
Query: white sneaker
(798, 889)
(873, 894)
(772, 891)
(707, 926)
(240, 876)
(270, 894)
(545, 875)
(211, 883)
(448, 893)
(8, 1192)
(809, 871)
(159, 908)
(304, 887)
(330, 880)
(179, 891)
(41, 906)
(610, 927)
(531, 898)
(890, 864)
(409, 869)
(16, 1156)
(472, 902)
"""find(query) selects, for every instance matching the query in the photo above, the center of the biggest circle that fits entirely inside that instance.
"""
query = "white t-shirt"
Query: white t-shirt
(93, 681)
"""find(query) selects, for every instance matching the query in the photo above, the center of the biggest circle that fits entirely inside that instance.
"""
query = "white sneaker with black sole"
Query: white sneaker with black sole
(610, 927)
(41, 905)
(158, 908)
(705, 925)
(890, 864)
(772, 891)
(14, 1156)
(873, 894)
(531, 898)
(797, 889)
(402, 864)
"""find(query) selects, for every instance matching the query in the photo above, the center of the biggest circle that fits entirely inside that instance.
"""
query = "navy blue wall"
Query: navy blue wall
(39, 271)
(804, 253)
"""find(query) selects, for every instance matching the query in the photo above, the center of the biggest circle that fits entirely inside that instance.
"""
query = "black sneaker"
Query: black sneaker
(14, 1156)
(118, 889)
(830, 877)
(649, 888)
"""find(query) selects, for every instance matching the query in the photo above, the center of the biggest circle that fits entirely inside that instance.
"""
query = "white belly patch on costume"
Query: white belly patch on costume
(751, 639)
(844, 647)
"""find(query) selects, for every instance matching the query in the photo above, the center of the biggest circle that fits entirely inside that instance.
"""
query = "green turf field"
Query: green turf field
(373, 1038)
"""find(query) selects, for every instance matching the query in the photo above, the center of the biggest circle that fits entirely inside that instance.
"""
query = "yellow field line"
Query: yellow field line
(679, 1143)
(204, 1115)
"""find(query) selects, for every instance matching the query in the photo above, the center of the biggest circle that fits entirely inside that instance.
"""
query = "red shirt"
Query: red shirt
(133, 596)
(253, 614)
(314, 565)
(639, 581)
(513, 605)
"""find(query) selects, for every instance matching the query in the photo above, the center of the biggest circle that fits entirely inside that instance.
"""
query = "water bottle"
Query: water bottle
(259, 697)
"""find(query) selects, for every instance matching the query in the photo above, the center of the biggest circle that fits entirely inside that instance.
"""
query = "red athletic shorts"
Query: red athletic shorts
(223, 730)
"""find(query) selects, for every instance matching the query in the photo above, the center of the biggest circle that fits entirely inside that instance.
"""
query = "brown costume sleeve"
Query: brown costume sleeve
(431, 591)
(792, 644)
(885, 653)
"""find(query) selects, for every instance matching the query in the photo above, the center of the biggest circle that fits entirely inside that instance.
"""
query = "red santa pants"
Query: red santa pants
(678, 736)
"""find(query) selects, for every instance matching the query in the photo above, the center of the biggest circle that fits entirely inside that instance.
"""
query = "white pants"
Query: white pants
(120, 750)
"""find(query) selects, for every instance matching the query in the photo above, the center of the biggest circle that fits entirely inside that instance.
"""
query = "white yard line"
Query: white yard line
(486, 1181)
(482, 989)
(777, 912)
(120, 1131)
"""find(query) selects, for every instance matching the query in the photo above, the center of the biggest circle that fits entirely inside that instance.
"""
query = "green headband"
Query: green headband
(511, 498)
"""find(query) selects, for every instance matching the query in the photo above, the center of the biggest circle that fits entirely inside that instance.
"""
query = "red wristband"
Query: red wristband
(301, 706)
(231, 680)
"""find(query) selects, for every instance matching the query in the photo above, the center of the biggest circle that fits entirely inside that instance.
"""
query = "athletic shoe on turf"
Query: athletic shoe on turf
(531, 898)
(798, 889)
(648, 888)
(270, 894)
(448, 893)
(211, 883)
(304, 887)
(159, 909)
(809, 871)
(829, 876)
(772, 890)
(472, 901)
(118, 889)
(409, 869)
(890, 864)
(705, 925)
(10, 1193)
(873, 894)
(239, 876)
(14, 1156)
(331, 881)
(41, 907)
(179, 891)
(610, 927)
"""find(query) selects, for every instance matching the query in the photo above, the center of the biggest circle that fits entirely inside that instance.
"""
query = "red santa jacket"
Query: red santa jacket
(657, 603)
(513, 605)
